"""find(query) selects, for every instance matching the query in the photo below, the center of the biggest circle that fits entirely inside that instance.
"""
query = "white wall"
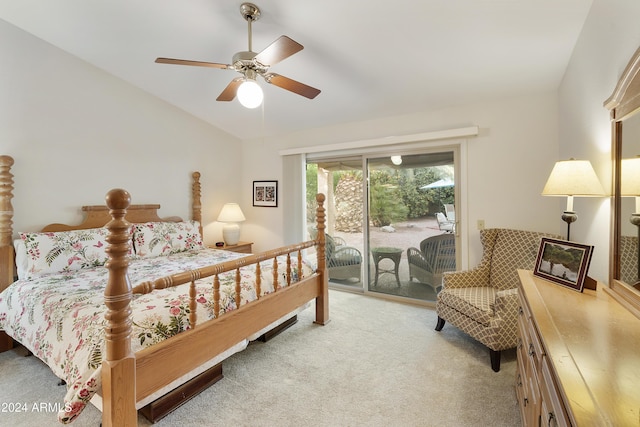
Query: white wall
(65, 121)
(509, 162)
(520, 140)
(609, 38)
(75, 132)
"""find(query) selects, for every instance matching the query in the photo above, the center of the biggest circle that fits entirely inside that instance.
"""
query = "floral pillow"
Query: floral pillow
(152, 239)
(62, 251)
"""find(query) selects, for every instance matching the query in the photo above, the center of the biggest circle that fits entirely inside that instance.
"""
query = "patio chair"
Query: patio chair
(343, 262)
(436, 255)
(483, 302)
(444, 224)
(450, 212)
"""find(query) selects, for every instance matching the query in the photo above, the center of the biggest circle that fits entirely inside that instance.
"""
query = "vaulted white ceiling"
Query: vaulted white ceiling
(371, 59)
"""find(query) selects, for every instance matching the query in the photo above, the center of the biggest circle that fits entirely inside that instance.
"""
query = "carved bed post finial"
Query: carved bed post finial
(118, 368)
(196, 204)
(322, 302)
(6, 222)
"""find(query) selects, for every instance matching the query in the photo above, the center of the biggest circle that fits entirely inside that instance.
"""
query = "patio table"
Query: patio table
(380, 253)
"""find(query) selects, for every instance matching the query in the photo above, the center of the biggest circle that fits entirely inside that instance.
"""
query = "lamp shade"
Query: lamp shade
(231, 212)
(573, 178)
(250, 94)
(630, 177)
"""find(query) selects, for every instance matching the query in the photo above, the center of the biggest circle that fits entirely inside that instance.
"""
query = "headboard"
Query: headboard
(95, 216)
(98, 216)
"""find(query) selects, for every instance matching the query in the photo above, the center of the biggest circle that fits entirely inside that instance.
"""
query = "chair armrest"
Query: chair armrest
(478, 276)
(345, 255)
(415, 257)
(506, 305)
(339, 241)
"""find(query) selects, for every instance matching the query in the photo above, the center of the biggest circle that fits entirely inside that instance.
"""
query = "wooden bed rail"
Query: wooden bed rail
(119, 366)
(212, 270)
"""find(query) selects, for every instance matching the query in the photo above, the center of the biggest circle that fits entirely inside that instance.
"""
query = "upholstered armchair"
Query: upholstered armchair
(629, 259)
(483, 302)
(436, 255)
(343, 262)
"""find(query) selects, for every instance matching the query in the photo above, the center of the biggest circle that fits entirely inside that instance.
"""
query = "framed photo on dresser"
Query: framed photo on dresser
(265, 193)
(563, 262)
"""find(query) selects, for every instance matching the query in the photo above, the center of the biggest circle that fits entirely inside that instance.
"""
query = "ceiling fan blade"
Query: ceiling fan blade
(188, 62)
(280, 49)
(292, 85)
(229, 92)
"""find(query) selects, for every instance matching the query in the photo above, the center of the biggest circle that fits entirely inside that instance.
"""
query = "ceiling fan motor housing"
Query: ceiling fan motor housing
(244, 61)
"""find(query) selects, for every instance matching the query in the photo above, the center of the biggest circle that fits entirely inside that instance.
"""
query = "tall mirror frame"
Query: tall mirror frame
(623, 104)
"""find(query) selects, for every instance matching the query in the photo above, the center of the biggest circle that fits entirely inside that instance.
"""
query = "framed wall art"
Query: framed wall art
(265, 193)
(563, 262)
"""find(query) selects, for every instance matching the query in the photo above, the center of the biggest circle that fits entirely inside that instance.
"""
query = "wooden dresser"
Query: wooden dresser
(578, 357)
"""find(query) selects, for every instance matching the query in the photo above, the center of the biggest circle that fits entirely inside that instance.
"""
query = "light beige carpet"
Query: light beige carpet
(378, 363)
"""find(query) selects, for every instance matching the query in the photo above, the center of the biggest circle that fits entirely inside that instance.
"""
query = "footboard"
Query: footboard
(205, 340)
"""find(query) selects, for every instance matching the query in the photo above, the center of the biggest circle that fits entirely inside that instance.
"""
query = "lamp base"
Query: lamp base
(569, 217)
(231, 233)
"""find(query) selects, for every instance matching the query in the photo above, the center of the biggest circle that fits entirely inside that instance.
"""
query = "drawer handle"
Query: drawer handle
(552, 419)
(520, 311)
(532, 350)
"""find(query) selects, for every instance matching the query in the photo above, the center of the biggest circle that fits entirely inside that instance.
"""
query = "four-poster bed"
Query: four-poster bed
(221, 305)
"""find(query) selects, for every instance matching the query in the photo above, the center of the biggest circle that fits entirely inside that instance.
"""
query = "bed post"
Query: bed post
(119, 367)
(7, 270)
(322, 302)
(6, 222)
(196, 205)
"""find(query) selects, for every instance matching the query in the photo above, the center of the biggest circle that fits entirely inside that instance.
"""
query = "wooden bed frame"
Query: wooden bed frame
(128, 378)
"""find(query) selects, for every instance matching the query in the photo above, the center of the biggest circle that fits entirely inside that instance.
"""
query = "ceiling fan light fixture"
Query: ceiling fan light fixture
(251, 64)
(250, 94)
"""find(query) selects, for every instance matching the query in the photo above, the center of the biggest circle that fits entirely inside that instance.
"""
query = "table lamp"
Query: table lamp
(231, 214)
(572, 178)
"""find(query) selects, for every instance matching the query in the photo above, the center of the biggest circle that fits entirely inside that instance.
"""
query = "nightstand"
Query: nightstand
(242, 247)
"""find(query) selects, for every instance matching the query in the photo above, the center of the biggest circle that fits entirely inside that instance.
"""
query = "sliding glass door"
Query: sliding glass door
(341, 180)
(409, 246)
(391, 225)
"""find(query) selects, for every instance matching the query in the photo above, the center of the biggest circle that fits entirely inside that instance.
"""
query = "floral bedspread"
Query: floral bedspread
(60, 317)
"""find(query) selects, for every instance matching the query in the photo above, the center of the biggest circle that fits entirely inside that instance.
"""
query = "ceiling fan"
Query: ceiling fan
(251, 64)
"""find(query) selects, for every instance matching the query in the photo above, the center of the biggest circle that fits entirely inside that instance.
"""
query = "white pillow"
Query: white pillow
(62, 251)
(152, 239)
(22, 262)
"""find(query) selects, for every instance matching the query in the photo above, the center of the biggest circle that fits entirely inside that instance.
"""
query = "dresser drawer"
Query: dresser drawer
(553, 412)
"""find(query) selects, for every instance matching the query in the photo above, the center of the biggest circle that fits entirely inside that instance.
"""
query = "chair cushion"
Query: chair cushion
(475, 302)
